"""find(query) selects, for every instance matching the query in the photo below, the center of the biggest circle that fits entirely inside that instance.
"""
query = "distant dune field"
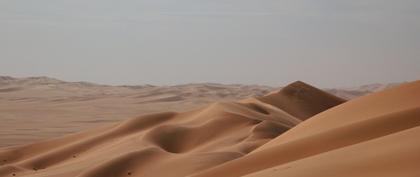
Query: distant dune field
(38, 108)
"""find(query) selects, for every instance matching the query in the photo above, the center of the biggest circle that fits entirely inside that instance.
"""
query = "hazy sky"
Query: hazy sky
(327, 43)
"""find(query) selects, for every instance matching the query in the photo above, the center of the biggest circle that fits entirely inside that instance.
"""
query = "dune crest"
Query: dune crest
(302, 100)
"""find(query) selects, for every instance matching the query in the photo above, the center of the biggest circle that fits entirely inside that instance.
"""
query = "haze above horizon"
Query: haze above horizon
(327, 43)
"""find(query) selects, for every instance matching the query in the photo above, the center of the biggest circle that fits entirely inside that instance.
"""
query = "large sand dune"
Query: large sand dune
(374, 135)
(170, 144)
(38, 108)
(297, 131)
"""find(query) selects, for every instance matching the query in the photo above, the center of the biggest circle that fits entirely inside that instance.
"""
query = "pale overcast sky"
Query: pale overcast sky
(327, 43)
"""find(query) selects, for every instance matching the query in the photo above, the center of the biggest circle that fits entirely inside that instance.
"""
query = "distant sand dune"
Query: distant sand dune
(302, 100)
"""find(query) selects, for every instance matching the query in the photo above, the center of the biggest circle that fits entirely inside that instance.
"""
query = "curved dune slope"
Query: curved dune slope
(169, 144)
(375, 135)
(302, 100)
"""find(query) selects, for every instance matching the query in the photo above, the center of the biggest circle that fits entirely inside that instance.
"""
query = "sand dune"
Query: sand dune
(297, 131)
(370, 136)
(39, 108)
(169, 144)
(302, 100)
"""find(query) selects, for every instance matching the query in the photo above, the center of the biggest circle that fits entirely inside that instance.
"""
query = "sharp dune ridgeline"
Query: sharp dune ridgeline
(297, 131)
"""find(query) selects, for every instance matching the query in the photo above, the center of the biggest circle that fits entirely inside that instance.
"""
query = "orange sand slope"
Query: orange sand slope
(39, 108)
(370, 136)
(375, 135)
(170, 144)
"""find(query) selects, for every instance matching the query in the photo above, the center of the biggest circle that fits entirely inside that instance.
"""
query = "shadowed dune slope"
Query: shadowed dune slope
(302, 100)
(169, 144)
(374, 135)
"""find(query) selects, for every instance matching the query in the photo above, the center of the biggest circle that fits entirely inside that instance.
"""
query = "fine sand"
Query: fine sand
(39, 108)
(373, 135)
(297, 131)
